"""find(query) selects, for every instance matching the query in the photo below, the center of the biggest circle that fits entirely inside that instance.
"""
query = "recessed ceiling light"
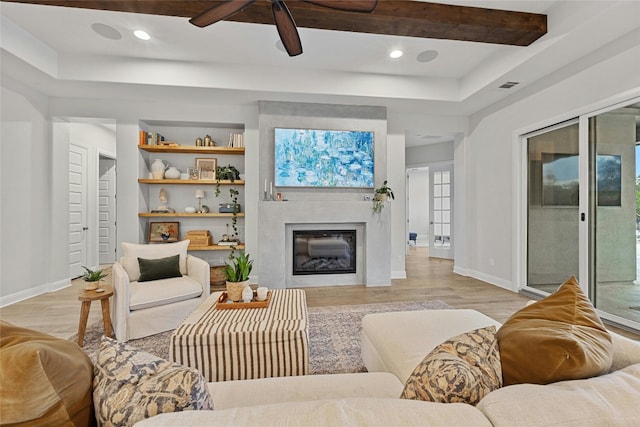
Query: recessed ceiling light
(395, 54)
(142, 35)
(427, 56)
(106, 31)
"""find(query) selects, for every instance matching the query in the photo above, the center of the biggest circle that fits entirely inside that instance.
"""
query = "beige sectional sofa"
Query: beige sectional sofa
(392, 345)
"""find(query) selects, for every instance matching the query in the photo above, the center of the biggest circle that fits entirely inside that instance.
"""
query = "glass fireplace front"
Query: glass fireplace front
(324, 251)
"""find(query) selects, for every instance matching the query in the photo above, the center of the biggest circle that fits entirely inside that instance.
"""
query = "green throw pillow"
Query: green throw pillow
(160, 268)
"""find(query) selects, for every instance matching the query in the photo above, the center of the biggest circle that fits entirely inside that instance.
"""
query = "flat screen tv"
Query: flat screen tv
(323, 158)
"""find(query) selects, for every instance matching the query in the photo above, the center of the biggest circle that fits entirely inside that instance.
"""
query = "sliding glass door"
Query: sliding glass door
(553, 214)
(583, 207)
(613, 202)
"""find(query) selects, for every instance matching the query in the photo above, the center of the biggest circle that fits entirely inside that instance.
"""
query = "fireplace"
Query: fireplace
(324, 252)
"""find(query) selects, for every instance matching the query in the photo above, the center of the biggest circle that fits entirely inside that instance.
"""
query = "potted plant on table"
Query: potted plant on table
(92, 278)
(237, 274)
(381, 195)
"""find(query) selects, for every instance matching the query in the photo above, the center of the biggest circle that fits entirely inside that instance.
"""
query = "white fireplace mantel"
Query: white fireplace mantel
(273, 218)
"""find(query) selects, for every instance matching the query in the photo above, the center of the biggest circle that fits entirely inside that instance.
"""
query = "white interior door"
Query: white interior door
(441, 212)
(418, 204)
(77, 209)
(107, 211)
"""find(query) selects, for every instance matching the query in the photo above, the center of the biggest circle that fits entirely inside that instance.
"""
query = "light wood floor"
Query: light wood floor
(428, 279)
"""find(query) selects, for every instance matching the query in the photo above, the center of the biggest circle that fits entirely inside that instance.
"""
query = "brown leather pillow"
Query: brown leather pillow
(560, 337)
(45, 380)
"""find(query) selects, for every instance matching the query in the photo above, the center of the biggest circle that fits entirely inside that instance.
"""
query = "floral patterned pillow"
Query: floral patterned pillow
(131, 385)
(462, 369)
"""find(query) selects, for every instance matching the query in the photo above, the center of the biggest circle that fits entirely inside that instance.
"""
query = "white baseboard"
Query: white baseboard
(33, 292)
(401, 274)
(461, 271)
(492, 280)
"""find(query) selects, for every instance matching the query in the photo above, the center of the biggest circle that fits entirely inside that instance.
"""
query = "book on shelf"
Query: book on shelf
(236, 140)
(152, 138)
(228, 243)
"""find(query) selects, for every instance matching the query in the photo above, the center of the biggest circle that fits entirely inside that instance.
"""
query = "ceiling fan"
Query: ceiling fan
(281, 16)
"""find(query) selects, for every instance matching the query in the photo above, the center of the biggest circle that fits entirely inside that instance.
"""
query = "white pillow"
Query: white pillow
(133, 251)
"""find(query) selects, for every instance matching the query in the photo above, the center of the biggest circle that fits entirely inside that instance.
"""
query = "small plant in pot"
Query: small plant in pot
(381, 195)
(92, 278)
(237, 274)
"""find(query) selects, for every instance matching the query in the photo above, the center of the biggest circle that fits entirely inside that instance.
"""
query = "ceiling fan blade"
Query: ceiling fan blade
(286, 28)
(219, 12)
(347, 5)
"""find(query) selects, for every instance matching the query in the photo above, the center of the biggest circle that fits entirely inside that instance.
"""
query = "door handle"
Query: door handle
(85, 228)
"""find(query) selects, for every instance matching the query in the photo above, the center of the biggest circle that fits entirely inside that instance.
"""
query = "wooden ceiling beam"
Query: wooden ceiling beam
(391, 17)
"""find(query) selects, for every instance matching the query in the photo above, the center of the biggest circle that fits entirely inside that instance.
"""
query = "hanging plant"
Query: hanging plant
(236, 208)
(228, 173)
(381, 195)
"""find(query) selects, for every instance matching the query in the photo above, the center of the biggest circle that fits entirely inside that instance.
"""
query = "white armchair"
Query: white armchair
(140, 309)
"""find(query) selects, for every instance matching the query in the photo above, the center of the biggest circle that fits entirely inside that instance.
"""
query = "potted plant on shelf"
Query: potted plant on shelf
(228, 173)
(92, 278)
(381, 195)
(237, 274)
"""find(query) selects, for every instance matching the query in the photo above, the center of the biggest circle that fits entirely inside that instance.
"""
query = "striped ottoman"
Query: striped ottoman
(237, 344)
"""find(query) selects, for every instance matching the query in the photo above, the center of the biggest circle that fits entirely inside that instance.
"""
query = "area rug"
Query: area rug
(334, 335)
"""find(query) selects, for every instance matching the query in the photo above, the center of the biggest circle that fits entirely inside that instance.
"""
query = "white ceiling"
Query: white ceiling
(56, 51)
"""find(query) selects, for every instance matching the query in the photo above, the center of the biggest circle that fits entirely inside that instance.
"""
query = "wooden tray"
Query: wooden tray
(222, 303)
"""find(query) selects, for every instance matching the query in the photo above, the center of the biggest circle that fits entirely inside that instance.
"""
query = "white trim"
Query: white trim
(505, 284)
(461, 270)
(376, 285)
(34, 292)
(617, 319)
(519, 218)
(487, 278)
(429, 165)
(621, 98)
(584, 278)
(399, 274)
(106, 153)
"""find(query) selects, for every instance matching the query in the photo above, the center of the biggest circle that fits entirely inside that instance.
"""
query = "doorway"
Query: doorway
(430, 208)
(91, 191)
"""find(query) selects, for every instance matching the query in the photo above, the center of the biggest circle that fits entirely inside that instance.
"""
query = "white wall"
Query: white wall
(431, 153)
(493, 165)
(25, 182)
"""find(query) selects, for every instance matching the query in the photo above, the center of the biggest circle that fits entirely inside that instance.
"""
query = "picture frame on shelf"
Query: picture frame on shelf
(207, 167)
(193, 173)
(163, 232)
